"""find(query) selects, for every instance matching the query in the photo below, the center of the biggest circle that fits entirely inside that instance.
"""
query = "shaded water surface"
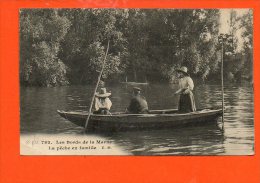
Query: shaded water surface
(39, 105)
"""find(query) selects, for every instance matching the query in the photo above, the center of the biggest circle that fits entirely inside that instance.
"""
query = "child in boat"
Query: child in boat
(138, 103)
(186, 85)
(102, 102)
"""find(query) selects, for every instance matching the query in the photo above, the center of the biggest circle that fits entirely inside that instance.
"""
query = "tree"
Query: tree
(61, 46)
(84, 45)
(246, 24)
(41, 32)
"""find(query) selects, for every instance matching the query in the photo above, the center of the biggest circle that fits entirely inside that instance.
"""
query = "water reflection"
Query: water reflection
(39, 105)
(205, 140)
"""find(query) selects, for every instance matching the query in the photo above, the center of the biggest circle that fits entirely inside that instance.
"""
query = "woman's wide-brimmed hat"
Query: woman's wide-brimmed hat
(183, 70)
(103, 93)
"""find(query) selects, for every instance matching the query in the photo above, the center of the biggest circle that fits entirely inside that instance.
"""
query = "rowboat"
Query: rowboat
(156, 119)
(134, 83)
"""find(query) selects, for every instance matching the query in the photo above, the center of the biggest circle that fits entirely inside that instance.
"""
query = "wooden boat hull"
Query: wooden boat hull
(157, 120)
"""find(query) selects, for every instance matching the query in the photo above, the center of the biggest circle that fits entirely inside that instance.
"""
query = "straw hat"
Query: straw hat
(183, 70)
(103, 93)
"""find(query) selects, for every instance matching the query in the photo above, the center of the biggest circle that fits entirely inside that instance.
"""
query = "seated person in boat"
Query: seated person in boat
(138, 103)
(102, 102)
(186, 85)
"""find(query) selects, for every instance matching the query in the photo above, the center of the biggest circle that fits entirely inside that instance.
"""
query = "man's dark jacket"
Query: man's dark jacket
(138, 105)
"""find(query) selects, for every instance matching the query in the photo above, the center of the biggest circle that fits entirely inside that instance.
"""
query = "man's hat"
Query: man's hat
(137, 89)
(103, 93)
(183, 70)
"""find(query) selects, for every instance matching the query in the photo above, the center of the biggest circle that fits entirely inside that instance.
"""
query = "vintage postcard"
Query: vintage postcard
(168, 82)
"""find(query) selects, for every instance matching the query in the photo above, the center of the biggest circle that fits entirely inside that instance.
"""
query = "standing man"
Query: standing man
(186, 85)
(138, 103)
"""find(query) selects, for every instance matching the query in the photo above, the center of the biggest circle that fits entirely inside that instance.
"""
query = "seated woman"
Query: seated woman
(102, 102)
(186, 85)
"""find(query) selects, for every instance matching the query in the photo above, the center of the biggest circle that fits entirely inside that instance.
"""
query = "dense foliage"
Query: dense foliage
(67, 46)
(41, 34)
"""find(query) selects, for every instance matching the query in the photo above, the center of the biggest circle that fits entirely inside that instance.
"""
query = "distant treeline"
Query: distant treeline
(67, 46)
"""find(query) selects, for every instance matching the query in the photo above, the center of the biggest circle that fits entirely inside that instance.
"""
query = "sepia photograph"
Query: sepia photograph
(142, 82)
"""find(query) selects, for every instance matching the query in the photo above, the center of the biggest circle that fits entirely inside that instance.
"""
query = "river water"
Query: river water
(38, 116)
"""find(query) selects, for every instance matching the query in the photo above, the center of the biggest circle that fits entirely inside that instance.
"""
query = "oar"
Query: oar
(99, 77)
